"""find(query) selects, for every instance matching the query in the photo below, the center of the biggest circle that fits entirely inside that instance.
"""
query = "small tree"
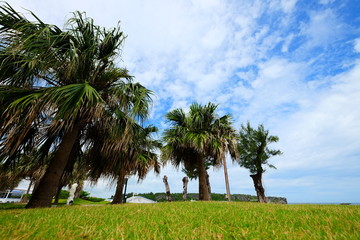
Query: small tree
(254, 153)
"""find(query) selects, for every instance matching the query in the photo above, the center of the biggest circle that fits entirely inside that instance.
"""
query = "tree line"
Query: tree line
(68, 114)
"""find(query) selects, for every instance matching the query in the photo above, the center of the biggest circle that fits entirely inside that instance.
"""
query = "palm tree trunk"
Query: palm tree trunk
(260, 191)
(118, 197)
(57, 195)
(167, 188)
(79, 189)
(36, 184)
(228, 195)
(203, 186)
(208, 184)
(185, 183)
(44, 193)
(26, 196)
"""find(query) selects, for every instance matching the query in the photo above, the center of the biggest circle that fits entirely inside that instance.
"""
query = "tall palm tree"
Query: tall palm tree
(228, 139)
(60, 83)
(196, 138)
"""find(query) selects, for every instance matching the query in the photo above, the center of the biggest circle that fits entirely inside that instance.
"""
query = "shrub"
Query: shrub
(64, 194)
(84, 194)
(94, 199)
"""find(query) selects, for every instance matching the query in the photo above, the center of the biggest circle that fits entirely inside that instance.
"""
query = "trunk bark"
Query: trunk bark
(26, 196)
(203, 185)
(185, 183)
(260, 191)
(79, 189)
(57, 195)
(36, 184)
(118, 197)
(167, 188)
(208, 184)
(44, 193)
(228, 195)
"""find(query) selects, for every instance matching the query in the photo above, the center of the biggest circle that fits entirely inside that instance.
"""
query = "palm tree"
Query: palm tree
(228, 139)
(60, 83)
(26, 167)
(197, 138)
(137, 158)
(254, 153)
(114, 158)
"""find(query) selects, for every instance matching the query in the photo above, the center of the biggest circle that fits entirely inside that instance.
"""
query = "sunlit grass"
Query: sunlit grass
(178, 220)
(62, 202)
(79, 201)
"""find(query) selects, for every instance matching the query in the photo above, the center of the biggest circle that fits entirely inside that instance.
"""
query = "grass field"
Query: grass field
(179, 220)
(62, 202)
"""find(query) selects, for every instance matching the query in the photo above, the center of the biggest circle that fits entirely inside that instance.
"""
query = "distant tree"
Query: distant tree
(137, 158)
(84, 194)
(115, 158)
(254, 153)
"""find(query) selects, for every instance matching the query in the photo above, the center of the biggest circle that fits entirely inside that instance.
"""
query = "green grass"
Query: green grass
(62, 202)
(11, 205)
(189, 220)
(79, 201)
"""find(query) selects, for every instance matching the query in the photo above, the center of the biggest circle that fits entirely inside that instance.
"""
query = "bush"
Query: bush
(64, 194)
(84, 194)
(94, 199)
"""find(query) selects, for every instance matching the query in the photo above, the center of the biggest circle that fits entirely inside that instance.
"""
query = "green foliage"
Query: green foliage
(253, 148)
(64, 194)
(94, 199)
(84, 194)
(184, 220)
(198, 133)
(198, 139)
(191, 170)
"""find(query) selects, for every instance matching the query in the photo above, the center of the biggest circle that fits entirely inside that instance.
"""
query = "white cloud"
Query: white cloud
(288, 5)
(325, 2)
(357, 45)
(324, 133)
(287, 42)
(277, 82)
(323, 29)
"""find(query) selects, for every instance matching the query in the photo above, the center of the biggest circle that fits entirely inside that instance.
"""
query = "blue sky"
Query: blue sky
(292, 65)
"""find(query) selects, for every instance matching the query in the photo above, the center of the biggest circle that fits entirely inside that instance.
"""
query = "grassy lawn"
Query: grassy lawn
(62, 202)
(78, 201)
(178, 220)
